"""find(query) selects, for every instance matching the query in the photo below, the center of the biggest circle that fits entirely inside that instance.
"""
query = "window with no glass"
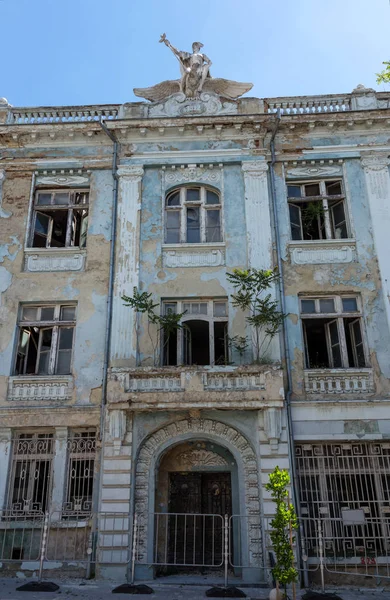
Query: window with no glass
(45, 339)
(203, 337)
(333, 332)
(317, 210)
(60, 219)
(193, 216)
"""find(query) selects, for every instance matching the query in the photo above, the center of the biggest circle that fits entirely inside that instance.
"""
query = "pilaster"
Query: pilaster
(123, 338)
(59, 471)
(5, 458)
(376, 168)
(258, 226)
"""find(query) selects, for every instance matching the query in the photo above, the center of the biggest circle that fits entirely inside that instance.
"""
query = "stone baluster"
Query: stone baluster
(123, 338)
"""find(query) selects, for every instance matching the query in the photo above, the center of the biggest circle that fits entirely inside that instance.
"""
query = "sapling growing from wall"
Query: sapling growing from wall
(160, 327)
(282, 526)
(265, 317)
(384, 76)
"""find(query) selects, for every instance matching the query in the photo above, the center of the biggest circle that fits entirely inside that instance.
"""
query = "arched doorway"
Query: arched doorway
(229, 446)
(196, 488)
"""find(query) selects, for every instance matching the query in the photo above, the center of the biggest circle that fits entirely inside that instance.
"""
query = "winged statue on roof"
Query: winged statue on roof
(194, 79)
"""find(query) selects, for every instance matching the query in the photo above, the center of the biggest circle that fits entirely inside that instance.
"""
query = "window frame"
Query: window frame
(337, 316)
(328, 215)
(46, 209)
(81, 447)
(182, 207)
(56, 324)
(209, 318)
(31, 458)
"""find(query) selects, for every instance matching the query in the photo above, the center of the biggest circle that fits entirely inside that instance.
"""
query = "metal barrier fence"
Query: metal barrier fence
(355, 544)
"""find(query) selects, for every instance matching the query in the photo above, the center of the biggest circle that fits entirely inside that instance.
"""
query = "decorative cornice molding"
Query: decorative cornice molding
(315, 171)
(133, 173)
(193, 173)
(62, 179)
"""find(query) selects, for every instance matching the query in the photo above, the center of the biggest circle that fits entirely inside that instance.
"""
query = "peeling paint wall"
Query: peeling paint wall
(88, 287)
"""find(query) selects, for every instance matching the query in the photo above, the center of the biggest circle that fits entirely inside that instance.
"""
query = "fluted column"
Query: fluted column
(258, 226)
(123, 339)
(376, 168)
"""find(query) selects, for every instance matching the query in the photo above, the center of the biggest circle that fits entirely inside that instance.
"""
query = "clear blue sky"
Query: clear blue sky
(58, 52)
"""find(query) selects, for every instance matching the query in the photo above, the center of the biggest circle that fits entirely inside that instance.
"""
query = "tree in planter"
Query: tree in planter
(165, 325)
(265, 317)
(283, 524)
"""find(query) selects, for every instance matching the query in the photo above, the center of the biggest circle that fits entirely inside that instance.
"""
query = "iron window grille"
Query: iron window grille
(193, 215)
(317, 210)
(203, 337)
(333, 332)
(336, 477)
(31, 474)
(60, 219)
(81, 454)
(45, 340)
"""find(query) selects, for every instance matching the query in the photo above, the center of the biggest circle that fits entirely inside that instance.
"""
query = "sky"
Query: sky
(70, 52)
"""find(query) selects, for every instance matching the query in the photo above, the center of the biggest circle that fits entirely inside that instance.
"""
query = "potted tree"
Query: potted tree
(283, 525)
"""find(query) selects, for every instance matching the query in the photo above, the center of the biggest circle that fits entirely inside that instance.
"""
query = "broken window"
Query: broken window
(29, 488)
(317, 210)
(81, 446)
(193, 216)
(333, 333)
(45, 340)
(203, 337)
(60, 219)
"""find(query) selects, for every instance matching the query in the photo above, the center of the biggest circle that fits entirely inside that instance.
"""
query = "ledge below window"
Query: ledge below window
(193, 255)
(40, 387)
(54, 259)
(320, 252)
(339, 381)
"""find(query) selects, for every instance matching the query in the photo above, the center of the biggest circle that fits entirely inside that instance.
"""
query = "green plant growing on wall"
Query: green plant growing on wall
(239, 344)
(384, 76)
(283, 524)
(164, 325)
(265, 318)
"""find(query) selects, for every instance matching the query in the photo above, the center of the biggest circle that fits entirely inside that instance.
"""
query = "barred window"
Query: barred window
(317, 210)
(45, 339)
(333, 332)
(193, 216)
(60, 219)
(337, 478)
(31, 474)
(81, 448)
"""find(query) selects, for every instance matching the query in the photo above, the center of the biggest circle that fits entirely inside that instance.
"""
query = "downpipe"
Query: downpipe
(286, 349)
(107, 345)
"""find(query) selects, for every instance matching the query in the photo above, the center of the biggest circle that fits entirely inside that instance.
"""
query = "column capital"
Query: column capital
(5, 435)
(376, 161)
(254, 168)
(61, 433)
(133, 173)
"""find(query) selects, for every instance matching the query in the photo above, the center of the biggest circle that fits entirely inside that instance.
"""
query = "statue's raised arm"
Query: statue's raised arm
(194, 79)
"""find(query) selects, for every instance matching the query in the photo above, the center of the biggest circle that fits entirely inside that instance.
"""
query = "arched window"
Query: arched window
(193, 215)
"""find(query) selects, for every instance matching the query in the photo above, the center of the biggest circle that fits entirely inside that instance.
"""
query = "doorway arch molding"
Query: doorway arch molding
(152, 448)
